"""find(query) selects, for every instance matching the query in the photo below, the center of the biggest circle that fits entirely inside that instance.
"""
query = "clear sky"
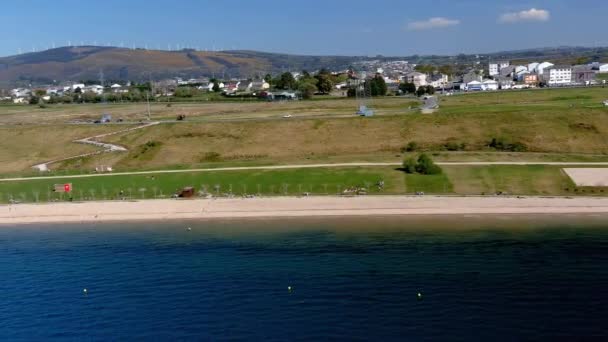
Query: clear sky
(347, 27)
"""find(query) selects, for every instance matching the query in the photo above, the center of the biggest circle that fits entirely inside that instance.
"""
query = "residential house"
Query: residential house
(21, 92)
(507, 72)
(557, 75)
(505, 82)
(495, 67)
(603, 68)
(531, 79)
(20, 100)
(260, 85)
(116, 88)
(231, 87)
(418, 78)
(439, 81)
(342, 85)
(489, 85)
(471, 76)
(244, 86)
(96, 89)
(582, 74)
(75, 86)
(473, 86)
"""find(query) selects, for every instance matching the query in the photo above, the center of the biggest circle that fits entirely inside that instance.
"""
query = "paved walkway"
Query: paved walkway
(106, 147)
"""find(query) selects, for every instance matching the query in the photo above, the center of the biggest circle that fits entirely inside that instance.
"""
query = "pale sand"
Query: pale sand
(294, 207)
(588, 176)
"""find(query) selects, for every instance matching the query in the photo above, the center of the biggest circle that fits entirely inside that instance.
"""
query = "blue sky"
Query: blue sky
(347, 27)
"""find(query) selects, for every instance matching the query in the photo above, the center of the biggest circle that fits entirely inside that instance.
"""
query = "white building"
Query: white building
(418, 78)
(77, 86)
(603, 68)
(439, 81)
(489, 85)
(540, 69)
(495, 67)
(21, 92)
(532, 67)
(558, 75)
(96, 89)
(520, 68)
(473, 86)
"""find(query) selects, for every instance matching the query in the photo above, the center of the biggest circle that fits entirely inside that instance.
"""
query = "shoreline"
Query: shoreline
(293, 207)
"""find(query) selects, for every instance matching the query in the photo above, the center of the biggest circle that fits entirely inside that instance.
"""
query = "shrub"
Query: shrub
(409, 165)
(211, 157)
(503, 145)
(426, 166)
(454, 146)
(410, 147)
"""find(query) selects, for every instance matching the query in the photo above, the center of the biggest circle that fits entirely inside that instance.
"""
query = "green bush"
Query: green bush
(211, 157)
(409, 165)
(410, 147)
(501, 144)
(426, 166)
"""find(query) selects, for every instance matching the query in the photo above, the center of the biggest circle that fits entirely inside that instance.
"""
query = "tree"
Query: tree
(421, 90)
(287, 81)
(407, 88)
(215, 85)
(307, 89)
(378, 86)
(268, 79)
(446, 70)
(324, 83)
(425, 68)
(426, 166)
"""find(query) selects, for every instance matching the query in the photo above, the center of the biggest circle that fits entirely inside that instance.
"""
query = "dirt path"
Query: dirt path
(297, 166)
(105, 147)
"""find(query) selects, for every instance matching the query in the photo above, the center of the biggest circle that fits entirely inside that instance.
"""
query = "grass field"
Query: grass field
(460, 180)
(552, 124)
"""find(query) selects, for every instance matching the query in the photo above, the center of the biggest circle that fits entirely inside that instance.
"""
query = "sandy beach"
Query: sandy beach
(293, 207)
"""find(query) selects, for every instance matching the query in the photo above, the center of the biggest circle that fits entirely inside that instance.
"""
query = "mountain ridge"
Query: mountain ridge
(87, 62)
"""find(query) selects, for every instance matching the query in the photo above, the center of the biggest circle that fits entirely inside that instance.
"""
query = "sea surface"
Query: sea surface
(388, 279)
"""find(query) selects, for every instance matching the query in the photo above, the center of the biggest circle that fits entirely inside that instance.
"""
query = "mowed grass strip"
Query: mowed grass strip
(517, 180)
(460, 180)
(271, 182)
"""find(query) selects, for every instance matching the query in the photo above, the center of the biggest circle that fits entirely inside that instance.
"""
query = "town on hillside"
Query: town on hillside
(374, 78)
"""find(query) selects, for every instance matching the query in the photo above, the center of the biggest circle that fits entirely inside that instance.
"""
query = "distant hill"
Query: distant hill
(86, 62)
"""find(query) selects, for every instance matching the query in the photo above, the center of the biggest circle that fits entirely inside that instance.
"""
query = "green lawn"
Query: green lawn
(462, 180)
(519, 180)
(280, 182)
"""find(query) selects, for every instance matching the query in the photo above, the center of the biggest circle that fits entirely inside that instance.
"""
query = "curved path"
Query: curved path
(296, 166)
(106, 147)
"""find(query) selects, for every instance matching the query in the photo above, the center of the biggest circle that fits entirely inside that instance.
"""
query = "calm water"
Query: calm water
(480, 279)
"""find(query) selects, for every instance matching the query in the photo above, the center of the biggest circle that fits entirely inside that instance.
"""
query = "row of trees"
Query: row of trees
(323, 82)
(410, 88)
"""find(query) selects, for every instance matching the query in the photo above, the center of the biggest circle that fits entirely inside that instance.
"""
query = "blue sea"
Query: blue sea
(388, 279)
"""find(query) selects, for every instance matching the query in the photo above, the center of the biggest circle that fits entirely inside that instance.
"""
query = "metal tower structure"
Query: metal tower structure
(363, 94)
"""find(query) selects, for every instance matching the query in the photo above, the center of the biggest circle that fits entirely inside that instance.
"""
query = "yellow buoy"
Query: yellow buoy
(85, 291)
